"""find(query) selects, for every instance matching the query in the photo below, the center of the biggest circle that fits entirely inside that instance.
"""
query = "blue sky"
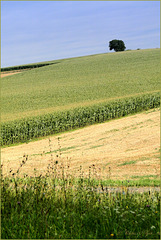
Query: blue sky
(35, 31)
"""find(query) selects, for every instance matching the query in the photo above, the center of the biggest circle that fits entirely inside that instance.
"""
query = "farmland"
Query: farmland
(45, 195)
(77, 92)
(77, 181)
(77, 82)
(129, 146)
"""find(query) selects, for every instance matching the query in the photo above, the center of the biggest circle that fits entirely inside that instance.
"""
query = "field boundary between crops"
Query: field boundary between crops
(26, 67)
(30, 128)
(72, 106)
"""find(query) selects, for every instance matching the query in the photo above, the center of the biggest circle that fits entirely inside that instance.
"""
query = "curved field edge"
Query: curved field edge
(30, 128)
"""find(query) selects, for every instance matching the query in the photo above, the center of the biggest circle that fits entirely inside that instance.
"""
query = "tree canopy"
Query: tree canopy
(117, 45)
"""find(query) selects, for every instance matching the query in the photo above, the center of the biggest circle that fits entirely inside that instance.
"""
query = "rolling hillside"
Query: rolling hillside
(81, 81)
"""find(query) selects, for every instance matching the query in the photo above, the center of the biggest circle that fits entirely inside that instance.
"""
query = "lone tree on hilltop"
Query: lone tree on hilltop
(117, 45)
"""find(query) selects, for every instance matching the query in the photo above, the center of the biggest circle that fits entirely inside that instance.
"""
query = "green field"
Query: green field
(82, 81)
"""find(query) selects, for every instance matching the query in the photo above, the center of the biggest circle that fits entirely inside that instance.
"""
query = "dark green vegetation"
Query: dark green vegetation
(29, 128)
(79, 82)
(117, 45)
(28, 66)
(58, 206)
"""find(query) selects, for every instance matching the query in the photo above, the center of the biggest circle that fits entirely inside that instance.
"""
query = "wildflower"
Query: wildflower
(111, 234)
(19, 203)
(126, 207)
(148, 206)
(156, 211)
(152, 227)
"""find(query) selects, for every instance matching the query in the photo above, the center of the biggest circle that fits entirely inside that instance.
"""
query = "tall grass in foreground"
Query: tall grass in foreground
(59, 206)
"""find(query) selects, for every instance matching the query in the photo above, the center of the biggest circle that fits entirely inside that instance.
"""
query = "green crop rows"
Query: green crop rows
(33, 127)
(79, 82)
(36, 65)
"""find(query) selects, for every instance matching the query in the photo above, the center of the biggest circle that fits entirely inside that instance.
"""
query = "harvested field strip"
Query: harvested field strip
(125, 145)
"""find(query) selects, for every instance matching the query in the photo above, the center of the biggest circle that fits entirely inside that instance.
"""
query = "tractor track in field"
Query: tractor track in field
(9, 73)
(150, 190)
(125, 148)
